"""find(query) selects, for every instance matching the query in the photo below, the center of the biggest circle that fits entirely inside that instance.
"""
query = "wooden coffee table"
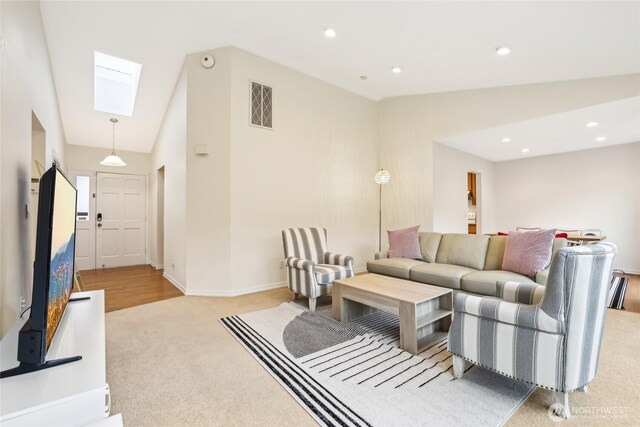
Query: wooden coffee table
(425, 310)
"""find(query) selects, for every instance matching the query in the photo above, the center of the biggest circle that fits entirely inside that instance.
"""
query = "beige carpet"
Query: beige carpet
(171, 363)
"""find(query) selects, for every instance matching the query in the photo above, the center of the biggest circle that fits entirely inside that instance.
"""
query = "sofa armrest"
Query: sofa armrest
(525, 293)
(300, 264)
(381, 254)
(522, 315)
(338, 259)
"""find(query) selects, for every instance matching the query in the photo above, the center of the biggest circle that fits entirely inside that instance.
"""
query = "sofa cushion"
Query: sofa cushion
(396, 267)
(404, 243)
(484, 282)
(528, 252)
(466, 250)
(429, 243)
(495, 253)
(446, 275)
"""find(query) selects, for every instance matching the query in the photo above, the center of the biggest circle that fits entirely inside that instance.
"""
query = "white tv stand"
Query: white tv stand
(75, 394)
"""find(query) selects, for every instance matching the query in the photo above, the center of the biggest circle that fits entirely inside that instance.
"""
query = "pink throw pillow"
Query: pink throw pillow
(528, 252)
(404, 243)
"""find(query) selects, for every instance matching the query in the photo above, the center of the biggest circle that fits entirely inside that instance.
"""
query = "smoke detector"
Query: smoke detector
(207, 61)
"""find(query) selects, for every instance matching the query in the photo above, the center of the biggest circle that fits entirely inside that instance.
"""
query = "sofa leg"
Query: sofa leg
(560, 406)
(583, 389)
(458, 366)
(312, 304)
(296, 296)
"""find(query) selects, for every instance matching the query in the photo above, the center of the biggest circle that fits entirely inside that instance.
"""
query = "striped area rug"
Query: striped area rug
(617, 291)
(355, 374)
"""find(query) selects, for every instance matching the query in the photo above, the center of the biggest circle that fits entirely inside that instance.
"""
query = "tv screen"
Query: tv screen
(62, 250)
(52, 273)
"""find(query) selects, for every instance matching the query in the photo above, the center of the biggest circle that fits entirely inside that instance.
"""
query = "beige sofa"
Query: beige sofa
(463, 262)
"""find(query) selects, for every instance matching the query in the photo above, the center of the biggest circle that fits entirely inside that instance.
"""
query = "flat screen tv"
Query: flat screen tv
(53, 271)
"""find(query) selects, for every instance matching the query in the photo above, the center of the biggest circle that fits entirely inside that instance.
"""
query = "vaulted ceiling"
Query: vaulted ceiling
(440, 46)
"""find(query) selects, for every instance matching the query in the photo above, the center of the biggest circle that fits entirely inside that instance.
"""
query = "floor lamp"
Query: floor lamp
(381, 178)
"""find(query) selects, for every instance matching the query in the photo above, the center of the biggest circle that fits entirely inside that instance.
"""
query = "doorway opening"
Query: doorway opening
(160, 218)
(474, 201)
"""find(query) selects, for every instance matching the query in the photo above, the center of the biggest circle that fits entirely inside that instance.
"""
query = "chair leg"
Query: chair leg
(458, 366)
(312, 304)
(560, 406)
(583, 389)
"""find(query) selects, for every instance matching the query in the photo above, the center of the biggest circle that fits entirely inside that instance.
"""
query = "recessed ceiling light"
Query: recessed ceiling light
(396, 70)
(329, 33)
(592, 124)
(525, 150)
(506, 139)
(503, 50)
(601, 138)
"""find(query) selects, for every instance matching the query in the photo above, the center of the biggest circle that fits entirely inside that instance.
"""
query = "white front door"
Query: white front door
(85, 183)
(120, 220)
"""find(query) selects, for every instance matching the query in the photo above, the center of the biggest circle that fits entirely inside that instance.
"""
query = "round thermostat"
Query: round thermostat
(207, 61)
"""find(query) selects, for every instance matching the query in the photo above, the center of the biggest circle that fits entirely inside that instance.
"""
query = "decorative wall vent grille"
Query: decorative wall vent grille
(261, 105)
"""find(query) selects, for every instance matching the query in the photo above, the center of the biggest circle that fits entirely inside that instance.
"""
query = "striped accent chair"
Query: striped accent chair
(311, 269)
(548, 336)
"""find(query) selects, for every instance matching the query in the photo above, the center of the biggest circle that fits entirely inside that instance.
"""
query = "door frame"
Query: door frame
(73, 174)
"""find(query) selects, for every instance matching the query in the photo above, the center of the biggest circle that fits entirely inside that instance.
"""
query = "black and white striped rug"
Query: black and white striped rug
(617, 291)
(355, 374)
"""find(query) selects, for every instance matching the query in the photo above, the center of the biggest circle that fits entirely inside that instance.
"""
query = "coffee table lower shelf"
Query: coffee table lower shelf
(424, 310)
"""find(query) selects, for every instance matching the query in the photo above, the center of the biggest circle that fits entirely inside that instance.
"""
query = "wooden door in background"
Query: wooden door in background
(120, 220)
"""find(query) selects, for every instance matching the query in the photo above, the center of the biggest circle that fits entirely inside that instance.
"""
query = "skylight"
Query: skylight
(115, 84)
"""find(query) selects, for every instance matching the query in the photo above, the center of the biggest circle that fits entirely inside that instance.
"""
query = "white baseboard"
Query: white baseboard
(155, 265)
(234, 293)
(629, 270)
(175, 283)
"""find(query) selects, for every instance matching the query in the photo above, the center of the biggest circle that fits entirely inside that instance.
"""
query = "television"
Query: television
(53, 272)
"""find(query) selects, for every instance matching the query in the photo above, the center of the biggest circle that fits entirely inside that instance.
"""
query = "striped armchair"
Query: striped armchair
(311, 269)
(546, 336)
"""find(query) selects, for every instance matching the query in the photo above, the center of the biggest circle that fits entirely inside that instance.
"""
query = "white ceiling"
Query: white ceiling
(441, 46)
(619, 122)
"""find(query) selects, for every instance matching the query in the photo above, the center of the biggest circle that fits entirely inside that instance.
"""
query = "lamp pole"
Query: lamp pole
(381, 178)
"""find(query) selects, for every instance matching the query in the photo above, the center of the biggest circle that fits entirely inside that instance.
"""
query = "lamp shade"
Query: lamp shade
(382, 177)
(113, 160)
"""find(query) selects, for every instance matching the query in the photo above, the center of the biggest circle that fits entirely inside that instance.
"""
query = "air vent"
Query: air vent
(261, 106)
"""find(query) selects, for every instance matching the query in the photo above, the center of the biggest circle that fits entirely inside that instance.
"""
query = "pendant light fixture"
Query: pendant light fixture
(113, 159)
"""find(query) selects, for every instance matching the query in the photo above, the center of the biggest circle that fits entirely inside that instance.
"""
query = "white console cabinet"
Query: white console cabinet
(75, 394)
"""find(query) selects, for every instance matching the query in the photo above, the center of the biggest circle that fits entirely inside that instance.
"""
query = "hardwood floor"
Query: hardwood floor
(632, 297)
(126, 287)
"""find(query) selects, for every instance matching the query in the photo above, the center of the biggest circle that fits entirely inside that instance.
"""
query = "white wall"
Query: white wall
(169, 151)
(597, 188)
(409, 125)
(26, 86)
(315, 168)
(208, 177)
(450, 203)
(84, 158)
